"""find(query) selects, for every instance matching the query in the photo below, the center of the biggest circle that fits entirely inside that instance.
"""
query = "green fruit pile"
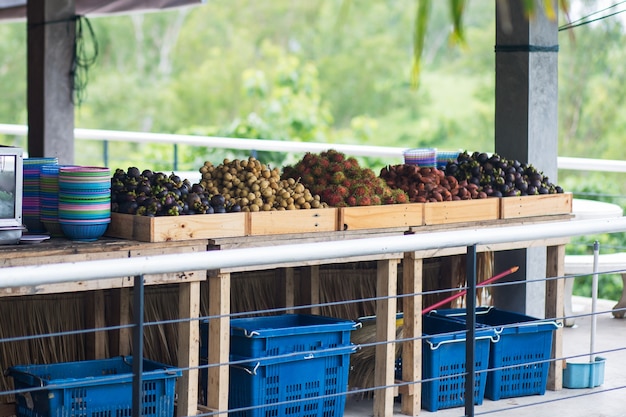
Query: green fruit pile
(253, 186)
(500, 177)
(341, 182)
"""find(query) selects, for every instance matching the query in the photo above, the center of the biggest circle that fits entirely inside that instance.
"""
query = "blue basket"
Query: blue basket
(95, 388)
(289, 357)
(311, 385)
(261, 337)
(443, 361)
(519, 361)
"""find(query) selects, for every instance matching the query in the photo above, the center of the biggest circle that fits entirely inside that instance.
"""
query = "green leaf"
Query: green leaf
(421, 25)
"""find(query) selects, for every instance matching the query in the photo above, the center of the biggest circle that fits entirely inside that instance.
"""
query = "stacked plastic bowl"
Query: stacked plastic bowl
(49, 198)
(423, 157)
(31, 204)
(84, 202)
(443, 157)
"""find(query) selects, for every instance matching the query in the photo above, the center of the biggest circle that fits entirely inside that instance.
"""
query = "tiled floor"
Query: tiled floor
(607, 400)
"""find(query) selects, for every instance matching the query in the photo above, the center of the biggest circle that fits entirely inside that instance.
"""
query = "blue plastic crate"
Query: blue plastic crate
(262, 337)
(98, 388)
(519, 360)
(443, 360)
(307, 385)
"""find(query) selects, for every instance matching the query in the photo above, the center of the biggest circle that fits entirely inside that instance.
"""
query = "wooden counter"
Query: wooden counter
(219, 287)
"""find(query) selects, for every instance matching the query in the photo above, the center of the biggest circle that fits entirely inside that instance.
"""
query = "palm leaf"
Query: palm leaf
(421, 25)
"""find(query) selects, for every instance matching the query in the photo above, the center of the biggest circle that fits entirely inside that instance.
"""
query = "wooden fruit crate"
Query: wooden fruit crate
(377, 217)
(292, 221)
(535, 205)
(170, 228)
(447, 212)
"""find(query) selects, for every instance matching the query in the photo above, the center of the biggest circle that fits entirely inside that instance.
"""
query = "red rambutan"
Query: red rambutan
(351, 200)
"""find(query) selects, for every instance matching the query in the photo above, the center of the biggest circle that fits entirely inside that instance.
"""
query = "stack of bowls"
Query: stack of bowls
(31, 204)
(443, 157)
(49, 198)
(84, 202)
(423, 157)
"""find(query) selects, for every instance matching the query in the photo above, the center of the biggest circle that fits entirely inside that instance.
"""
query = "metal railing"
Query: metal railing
(570, 163)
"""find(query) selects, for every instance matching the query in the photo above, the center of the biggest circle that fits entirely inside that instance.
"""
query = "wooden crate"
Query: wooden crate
(377, 217)
(461, 211)
(535, 205)
(292, 221)
(170, 228)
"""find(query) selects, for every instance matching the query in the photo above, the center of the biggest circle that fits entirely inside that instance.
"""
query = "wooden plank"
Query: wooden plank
(219, 342)
(555, 289)
(412, 270)
(386, 285)
(120, 340)
(447, 212)
(310, 288)
(177, 276)
(188, 348)
(378, 217)
(535, 205)
(286, 277)
(293, 221)
(95, 342)
(174, 228)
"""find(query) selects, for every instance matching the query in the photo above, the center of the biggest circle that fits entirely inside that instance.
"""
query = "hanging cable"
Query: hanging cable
(83, 58)
(583, 20)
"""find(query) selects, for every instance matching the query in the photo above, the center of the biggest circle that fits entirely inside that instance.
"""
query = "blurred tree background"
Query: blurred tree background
(332, 71)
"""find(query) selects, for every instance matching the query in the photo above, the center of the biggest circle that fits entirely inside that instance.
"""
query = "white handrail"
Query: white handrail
(267, 255)
(563, 162)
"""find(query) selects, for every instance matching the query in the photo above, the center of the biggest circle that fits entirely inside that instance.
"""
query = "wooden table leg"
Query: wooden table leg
(387, 283)
(120, 340)
(310, 288)
(286, 276)
(219, 341)
(412, 270)
(555, 267)
(96, 342)
(188, 348)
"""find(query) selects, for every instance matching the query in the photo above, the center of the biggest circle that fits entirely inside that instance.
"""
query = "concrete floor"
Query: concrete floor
(606, 400)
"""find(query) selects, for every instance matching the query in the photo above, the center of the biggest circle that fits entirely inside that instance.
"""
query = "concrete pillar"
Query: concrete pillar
(526, 128)
(50, 44)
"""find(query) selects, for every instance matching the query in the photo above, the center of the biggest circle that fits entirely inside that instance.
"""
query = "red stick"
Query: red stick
(462, 293)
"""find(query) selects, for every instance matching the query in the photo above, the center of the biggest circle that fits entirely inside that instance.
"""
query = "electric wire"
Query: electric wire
(583, 20)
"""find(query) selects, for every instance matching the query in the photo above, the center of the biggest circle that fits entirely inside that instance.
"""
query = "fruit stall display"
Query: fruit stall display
(321, 191)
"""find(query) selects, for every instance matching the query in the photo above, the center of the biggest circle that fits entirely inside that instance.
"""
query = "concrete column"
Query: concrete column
(50, 44)
(526, 127)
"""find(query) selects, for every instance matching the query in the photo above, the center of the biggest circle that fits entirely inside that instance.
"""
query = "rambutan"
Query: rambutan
(400, 197)
(318, 171)
(351, 200)
(333, 200)
(364, 201)
(342, 191)
(376, 201)
(360, 190)
(337, 177)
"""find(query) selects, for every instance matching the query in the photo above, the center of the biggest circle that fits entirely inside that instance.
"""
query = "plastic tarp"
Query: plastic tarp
(16, 9)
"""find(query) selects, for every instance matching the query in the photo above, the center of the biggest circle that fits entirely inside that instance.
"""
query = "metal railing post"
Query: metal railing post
(470, 339)
(138, 305)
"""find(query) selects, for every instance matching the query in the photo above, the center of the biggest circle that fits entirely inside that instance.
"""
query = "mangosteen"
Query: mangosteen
(218, 201)
(235, 208)
(133, 172)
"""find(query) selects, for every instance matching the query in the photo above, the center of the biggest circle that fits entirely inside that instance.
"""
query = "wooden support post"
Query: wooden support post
(188, 348)
(219, 341)
(310, 288)
(286, 276)
(412, 270)
(119, 341)
(386, 284)
(96, 343)
(555, 267)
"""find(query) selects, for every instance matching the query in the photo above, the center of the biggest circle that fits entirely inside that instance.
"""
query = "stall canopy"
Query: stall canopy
(16, 9)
